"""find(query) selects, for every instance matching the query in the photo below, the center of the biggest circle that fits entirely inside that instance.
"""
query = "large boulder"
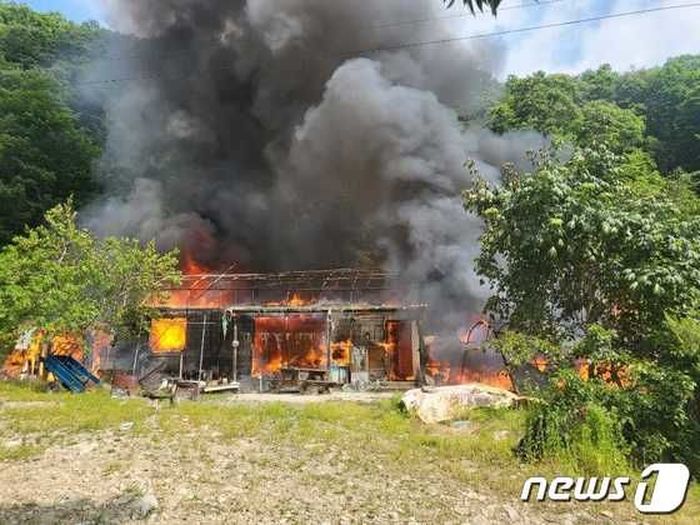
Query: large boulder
(445, 403)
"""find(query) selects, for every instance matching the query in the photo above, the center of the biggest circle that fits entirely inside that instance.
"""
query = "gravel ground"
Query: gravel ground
(117, 478)
(150, 473)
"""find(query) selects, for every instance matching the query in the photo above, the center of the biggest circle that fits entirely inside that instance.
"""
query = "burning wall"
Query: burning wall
(369, 343)
(221, 290)
(289, 341)
(283, 323)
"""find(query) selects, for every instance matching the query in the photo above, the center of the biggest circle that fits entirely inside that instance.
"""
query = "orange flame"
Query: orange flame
(288, 341)
(190, 266)
(196, 288)
(341, 351)
(294, 301)
(195, 298)
(22, 360)
(444, 373)
(168, 335)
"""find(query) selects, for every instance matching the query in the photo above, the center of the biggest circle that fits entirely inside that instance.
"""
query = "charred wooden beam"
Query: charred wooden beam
(322, 308)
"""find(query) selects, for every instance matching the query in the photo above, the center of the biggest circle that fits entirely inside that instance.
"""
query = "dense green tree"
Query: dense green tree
(606, 124)
(46, 154)
(598, 258)
(556, 105)
(666, 99)
(545, 103)
(672, 103)
(61, 278)
(599, 239)
(30, 39)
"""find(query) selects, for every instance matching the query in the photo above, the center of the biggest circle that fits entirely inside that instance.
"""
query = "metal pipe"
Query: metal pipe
(201, 348)
(136, 358)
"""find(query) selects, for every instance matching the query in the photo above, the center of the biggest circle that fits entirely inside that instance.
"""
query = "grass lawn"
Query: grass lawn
(356, 445)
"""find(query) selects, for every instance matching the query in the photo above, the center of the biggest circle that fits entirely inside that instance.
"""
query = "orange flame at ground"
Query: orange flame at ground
(444, 373)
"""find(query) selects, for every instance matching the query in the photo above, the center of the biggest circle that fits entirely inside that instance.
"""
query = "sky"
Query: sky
(76, 10)
(637, 41)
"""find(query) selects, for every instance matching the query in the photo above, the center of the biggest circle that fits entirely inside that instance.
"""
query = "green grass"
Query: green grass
(67, 413)
(365, 435)
(19, 452)
(24, 391)
(47, 418)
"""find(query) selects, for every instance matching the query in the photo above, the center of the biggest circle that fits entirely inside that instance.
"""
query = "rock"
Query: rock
(461, 425)
(500, 435)
(119, 393)
(145, 505)
(513, 514)
(434, 405)
(126, 426)
(13, 443)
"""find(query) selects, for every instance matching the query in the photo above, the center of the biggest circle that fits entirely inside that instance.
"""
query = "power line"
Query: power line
(524, 5)
(384, 25)
(409, 45)
(526, 29)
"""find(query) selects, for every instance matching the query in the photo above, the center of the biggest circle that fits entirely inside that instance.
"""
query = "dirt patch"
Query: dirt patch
(303, 399)
(269, 459)
(105, 479)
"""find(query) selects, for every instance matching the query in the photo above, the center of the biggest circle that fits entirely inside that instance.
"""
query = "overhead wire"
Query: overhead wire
(409, 45)
(552, 25)
(382, 25)
(523, 5)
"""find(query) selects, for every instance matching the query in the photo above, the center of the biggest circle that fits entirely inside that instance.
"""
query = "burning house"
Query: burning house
(282, 145)
(302, 330)
(283, 331)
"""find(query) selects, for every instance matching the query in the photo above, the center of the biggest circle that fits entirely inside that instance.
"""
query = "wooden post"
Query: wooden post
(329, 341)
(422, 354)
(201, 349)
(44, 355)
(235, 344)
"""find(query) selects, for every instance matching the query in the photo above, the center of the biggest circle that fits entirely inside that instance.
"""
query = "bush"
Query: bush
(656, 414)
(599, 427)
(571, 427)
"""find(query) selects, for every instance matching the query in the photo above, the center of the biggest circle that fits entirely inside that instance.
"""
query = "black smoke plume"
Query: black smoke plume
(274, 134)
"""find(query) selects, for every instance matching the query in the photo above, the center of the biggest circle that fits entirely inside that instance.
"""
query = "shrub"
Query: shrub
(571, 427)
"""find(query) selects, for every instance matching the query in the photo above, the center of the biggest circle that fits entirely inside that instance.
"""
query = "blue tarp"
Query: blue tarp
(70, 373)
